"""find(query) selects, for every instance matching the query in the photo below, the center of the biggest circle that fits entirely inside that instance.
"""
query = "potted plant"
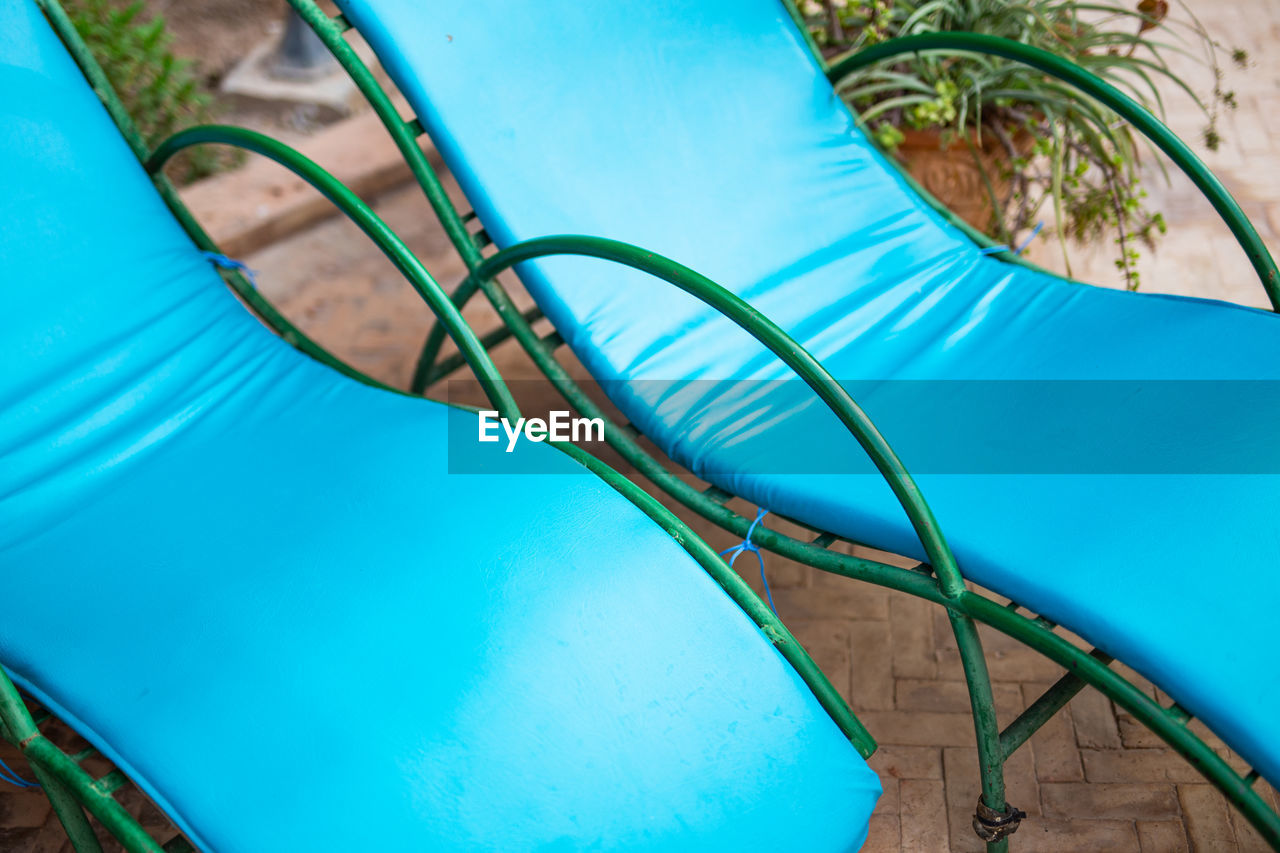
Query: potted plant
(995, 140)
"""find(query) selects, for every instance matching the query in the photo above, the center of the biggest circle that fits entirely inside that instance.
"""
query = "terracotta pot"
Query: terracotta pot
(951, 175)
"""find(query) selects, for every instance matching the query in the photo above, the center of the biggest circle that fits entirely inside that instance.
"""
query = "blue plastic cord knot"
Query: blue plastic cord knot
(227, 263)
(995, 250)
(747, 545)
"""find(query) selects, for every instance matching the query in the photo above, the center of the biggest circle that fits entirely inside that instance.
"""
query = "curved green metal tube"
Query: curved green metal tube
(404, 137)
(435, 337)
(781, 344)
(1097, 88)
(371, 224)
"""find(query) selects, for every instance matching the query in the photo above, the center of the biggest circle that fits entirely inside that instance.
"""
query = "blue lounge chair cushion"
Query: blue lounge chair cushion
(254, 584)
(705, 131)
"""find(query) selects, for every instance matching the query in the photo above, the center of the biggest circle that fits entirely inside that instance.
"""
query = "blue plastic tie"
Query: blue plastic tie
(995, 250)
(227, 263)
(1030, 237)
(747, 545)
(8, 775)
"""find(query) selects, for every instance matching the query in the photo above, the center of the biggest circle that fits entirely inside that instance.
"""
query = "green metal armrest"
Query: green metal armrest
(472, 349)
(1099, 89)
(780, 344)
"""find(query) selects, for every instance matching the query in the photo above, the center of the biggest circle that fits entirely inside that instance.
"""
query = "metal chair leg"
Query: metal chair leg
(72, 817)
(995, 819)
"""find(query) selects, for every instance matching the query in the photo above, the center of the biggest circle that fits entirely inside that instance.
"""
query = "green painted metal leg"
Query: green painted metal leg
(995, 819)
(72, 817)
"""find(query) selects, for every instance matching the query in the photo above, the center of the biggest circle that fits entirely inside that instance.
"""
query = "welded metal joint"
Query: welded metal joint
(992, 825)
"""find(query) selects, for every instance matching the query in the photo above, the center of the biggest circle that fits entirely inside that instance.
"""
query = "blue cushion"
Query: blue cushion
(705, 131)
(255, 586)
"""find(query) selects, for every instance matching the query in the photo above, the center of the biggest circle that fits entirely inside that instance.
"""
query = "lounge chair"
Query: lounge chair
(701, 141)
(251, 583)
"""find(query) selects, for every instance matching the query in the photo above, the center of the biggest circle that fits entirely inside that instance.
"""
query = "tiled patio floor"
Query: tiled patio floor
(1092, 780)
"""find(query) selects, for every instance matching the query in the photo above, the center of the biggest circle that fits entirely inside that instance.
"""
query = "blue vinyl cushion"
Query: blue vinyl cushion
(253, 584)
(705, 131)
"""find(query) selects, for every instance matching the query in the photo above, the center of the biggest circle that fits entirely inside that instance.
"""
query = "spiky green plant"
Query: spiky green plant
(1063, 149)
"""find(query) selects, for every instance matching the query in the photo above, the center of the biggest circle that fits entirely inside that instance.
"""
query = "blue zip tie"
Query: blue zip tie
(747, 545)
(227, 263)
(8, 775)
(995, 250)
(1030, 237)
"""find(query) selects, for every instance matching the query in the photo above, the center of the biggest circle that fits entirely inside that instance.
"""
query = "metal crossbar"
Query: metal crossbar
(451, 363)
(1044, 708)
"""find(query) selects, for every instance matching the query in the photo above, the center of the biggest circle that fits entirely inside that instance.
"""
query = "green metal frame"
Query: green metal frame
(939, 580)
(70, 789)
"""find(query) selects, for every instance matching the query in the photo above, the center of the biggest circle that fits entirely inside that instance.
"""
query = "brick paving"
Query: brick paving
(1092, 779)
